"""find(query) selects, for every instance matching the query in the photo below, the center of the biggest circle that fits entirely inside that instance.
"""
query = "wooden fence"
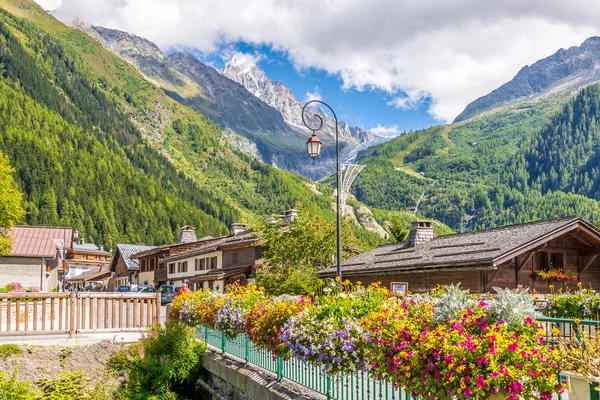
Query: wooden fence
(24, 314)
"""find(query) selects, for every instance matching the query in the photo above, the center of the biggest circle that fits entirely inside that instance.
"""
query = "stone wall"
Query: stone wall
(232, 379)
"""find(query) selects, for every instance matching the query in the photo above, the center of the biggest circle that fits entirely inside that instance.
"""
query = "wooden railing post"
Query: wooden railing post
(158, 307)
(72, 302)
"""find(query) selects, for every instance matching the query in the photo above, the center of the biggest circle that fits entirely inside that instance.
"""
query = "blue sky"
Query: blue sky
(366, 109)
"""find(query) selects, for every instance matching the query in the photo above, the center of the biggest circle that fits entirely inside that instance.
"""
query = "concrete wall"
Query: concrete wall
(234, 380)
(29, 271)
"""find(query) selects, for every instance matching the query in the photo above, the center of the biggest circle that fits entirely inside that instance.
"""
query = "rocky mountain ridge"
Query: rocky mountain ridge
(567, 69)
(243, 69)
(231, 106)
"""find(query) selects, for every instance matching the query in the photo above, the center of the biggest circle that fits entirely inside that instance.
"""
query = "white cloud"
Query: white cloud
(314, 95)
(388, 131)
(448, 51)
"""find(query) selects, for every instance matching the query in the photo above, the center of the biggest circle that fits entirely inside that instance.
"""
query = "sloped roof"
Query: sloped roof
(38, 241)
(479, 249)
(127, 250)
(88, 248)
(207, 246)
(217, 274)
(100, 273)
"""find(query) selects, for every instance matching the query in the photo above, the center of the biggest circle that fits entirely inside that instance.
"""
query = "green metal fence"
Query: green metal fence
(567, 328)
(355, 386)
(359, 385)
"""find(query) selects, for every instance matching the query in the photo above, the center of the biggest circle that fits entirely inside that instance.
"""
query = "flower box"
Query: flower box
(581, 387)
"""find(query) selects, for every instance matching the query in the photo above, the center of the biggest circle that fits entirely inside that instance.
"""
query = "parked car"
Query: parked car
(168, 293)
(123, 289)
(145, 289)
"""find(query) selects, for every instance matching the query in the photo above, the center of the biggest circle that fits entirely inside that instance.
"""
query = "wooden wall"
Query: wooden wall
(246, 256)
(424, 281)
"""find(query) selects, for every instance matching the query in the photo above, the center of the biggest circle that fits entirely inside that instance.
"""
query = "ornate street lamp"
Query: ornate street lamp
(314, 149)
(314, 146)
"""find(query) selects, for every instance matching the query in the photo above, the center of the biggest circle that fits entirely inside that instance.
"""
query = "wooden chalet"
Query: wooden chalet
(506, 257)
(124, 268)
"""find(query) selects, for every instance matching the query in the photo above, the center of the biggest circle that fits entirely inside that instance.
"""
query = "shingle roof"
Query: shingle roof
(473, 249)
(38, 241)
(207, 246)
(127, 250)
(87, 247)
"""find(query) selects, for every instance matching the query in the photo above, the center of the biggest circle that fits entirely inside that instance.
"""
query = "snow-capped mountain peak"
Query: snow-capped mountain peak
(243, 69)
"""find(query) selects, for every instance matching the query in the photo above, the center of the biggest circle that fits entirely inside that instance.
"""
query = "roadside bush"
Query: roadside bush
(69, 386)
(162, 366)
(12, 389)
(9, 350)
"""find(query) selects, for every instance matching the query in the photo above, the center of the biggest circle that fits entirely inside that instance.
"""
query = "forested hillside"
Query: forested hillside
(565, 155)
(495, 169)
(97, 146)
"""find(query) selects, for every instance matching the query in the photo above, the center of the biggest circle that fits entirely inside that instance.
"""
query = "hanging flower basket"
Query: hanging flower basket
(558, 274)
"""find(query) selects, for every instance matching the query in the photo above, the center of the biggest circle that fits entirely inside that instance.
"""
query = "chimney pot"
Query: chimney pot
(238, 228)
(421, 232)
(187, 234)
(289, 215)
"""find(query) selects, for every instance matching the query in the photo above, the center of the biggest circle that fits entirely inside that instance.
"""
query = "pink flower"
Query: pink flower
(480, 381)
(467, 391)
(494, 375)
(512, 347)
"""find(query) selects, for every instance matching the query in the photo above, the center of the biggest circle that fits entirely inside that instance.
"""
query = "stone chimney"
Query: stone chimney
(187, 234)
(421, 232)
(289, 215)
(238, 228)
(275, 218)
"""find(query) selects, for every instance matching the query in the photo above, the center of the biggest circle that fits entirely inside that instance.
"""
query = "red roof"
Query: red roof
(39, 241)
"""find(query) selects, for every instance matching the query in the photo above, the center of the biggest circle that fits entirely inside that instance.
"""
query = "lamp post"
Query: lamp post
(314, 149)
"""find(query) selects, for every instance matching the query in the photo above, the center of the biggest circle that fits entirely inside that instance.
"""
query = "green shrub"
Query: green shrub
(69, 386)
(12, 389)
(9, 350)
(162, 365)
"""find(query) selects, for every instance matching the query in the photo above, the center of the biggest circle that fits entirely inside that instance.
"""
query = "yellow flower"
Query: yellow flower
(337, 278)
(553, 311)
(358, 282)
(579, 285)
(555, 331)
(542, 331)
(577, 320)
(346, 282)
(551, 286)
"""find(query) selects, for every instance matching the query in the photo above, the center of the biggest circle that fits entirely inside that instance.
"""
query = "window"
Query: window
(234, 258)
(203, 265)
(182, 266)
(143, 266)
(152, 264)
(172, 268)
(213, 263)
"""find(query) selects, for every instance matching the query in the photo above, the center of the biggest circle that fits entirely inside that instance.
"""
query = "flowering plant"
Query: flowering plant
(447, 345)
(197, 308)
(583, 304)
(556, 273)
(265, 320)
(229, 317)
(15, 287)
(580, 357)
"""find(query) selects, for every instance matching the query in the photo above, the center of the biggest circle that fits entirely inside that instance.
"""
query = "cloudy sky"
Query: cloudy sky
(388, 64)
